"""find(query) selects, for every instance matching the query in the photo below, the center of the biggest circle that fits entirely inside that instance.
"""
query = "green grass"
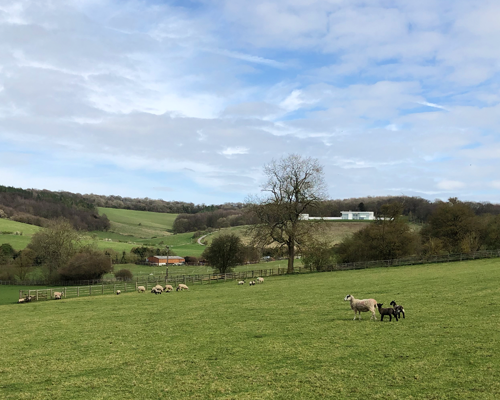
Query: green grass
(18, 242)
(291, 338)
(126, 222)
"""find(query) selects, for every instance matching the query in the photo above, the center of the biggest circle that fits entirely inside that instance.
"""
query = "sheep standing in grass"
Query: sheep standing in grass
(181, 286)
(399, 309)
(359, 306)
(260, 280)
(141, 289)
(252, 283)
(156, 290)
(386, 311)
(241, 282)
(118, 291)
(159, 287)
(168, 288)
(57, 295)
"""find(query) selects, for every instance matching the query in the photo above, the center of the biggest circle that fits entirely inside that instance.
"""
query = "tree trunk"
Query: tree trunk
(291, 256)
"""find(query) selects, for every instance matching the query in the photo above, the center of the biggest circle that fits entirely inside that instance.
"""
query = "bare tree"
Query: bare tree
(294, 184)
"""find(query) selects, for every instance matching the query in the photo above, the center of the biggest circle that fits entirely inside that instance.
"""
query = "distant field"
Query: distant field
(292, 337)
(336, 231)
(18, 242)
(140, 224)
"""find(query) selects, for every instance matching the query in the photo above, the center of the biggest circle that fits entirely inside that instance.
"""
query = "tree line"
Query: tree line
(38, 207)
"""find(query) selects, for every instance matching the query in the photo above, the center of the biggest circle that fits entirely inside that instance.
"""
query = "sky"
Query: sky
(188, 100)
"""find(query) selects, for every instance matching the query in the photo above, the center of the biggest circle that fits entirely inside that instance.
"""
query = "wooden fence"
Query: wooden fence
(208, 279)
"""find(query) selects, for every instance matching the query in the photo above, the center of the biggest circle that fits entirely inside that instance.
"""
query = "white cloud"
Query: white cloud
(450, 185)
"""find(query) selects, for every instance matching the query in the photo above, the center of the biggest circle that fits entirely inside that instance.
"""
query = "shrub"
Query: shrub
(124, 275)
(91, 264)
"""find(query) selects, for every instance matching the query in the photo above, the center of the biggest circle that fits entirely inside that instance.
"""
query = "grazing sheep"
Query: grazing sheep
(21, 300)
(241, 282)
(260, 280)
(118, 291)
(156, 290)
(57, 295)
(252, 283)
(399, 309)
(359, 306)
(159, 287)
(168, 288)
(141, 289)
(181, 286)
(386, 311)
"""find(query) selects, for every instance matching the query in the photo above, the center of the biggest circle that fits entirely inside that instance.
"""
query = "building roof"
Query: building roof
(169, 257)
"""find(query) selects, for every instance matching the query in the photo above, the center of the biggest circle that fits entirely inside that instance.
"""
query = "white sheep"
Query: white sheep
(21, 300)
(241, 282)
(168, 288)
(57, 295)
(141, 289)
(118, 291)
(359, 306)
(155, 290)
(260, 280)
(181, 286)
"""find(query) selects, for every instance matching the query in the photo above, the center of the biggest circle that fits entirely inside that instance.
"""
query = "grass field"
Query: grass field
(141, 224)
(291, 338)
(18, 242)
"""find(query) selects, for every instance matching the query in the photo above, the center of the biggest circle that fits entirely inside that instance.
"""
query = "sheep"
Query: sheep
(399, 309)
(118, 291)
(155, 290)
(21, 300)
(359, 306)
(168, 288)
(141, 289)
(260, 280)
(181, 286)
(57, 295)
(241, 282)
(159, 287)
(252, 283)
(386, 311)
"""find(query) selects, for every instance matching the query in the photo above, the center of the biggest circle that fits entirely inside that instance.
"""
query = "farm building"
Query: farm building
(350, 215)
(162, 260)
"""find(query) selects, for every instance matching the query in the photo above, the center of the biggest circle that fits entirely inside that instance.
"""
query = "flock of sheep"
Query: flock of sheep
(252, 283)
(368, 305)
(159, 289)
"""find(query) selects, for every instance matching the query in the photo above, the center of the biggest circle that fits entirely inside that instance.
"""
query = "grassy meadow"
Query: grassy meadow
(292, 337)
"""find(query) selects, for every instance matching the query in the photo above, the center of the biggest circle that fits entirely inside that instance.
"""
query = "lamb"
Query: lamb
(399, 309)
(241, 282)
(118, 291)
(359, 306)
(141, 289)
(168, 288)
(57, 295)
(181, 286)
(252, 283)
(155, 290)
(260, 280)
(386, 311)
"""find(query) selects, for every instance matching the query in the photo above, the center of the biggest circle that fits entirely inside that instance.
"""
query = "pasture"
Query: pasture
(292, 337)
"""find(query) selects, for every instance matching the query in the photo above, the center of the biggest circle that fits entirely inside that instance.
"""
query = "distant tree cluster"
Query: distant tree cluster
(452, 227)
(38, 207)
(218, 219)
(155, 205)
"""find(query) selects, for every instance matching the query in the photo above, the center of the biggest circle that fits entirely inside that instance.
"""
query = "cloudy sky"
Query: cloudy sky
(188, 99)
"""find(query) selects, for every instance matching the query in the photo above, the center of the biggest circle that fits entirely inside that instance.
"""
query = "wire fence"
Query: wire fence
(110, 287)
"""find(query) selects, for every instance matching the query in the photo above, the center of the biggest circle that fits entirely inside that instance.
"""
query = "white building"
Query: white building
(349, 215)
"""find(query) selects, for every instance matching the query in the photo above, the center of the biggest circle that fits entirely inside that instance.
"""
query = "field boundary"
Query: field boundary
(110, 287)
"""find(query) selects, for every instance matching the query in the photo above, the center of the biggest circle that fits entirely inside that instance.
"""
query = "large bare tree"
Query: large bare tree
(294, 184)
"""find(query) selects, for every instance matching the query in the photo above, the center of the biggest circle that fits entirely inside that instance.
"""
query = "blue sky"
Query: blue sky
(187, 100)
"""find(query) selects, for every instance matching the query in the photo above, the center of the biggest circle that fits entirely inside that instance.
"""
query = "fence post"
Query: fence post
(64, 292)
(90, 290)
(20, 294)
(125, 287)
(77, 292)
(102, 289)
